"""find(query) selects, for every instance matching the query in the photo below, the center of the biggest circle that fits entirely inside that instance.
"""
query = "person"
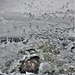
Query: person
(30, 65)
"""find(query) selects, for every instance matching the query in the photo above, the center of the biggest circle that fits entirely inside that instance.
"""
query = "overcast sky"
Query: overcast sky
(36, 6)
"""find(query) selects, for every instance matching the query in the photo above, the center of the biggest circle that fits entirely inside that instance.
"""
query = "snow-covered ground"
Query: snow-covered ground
(44, 25)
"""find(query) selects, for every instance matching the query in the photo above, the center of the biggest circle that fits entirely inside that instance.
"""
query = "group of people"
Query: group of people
(5, 40)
